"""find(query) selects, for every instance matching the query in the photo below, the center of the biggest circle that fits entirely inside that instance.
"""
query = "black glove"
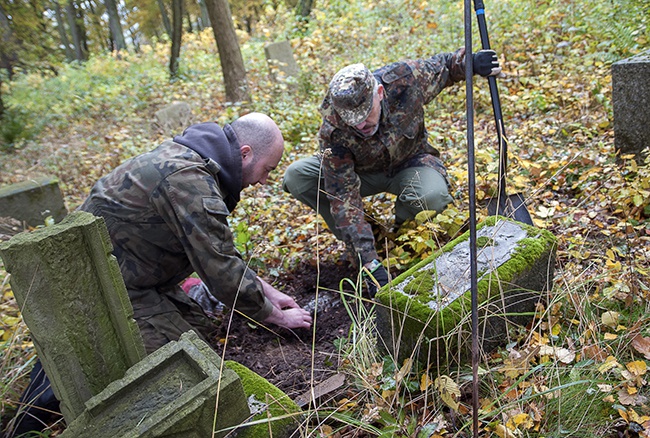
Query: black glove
(486, 63)
(375, 276)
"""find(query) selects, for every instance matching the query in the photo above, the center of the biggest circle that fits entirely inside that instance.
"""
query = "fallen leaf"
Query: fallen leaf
(642, 345)
(638, 367)
(627, 399)
(449, 391)
(610, 318)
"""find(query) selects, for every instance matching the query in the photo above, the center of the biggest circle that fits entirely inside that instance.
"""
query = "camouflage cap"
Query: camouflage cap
(351, 91)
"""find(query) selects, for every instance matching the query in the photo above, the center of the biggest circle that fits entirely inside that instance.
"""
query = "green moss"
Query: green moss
(411, 315)
(422, 281)
(282, 414)
(484, 241)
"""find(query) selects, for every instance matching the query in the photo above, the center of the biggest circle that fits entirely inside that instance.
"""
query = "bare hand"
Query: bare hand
(290, 318)
(277, 298)
(286, 312)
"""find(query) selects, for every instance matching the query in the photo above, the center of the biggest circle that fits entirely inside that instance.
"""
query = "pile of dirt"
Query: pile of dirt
(293, 359)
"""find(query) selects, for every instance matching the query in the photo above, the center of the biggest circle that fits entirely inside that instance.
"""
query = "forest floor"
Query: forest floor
(294, 359)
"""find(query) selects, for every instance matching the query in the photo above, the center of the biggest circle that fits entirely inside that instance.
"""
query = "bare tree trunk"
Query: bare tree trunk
(117, 35)
(232, 63)
(304, 8)
(177, 34)
(2, 103)
(165, 18)
(190, 29)
(60, 24)
(8, 57)
(205, 19)
(76, 31)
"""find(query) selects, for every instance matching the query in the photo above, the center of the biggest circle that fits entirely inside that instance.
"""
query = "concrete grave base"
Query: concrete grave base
(171, 393)
(425, 313)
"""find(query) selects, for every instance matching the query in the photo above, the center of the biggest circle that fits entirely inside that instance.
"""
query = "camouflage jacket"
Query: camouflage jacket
(400, 141)
(166, 215)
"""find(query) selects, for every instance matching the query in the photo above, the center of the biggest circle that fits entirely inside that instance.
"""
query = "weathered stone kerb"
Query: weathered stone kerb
(425, 312)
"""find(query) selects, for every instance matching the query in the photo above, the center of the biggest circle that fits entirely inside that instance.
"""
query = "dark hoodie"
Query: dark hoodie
(221, 145)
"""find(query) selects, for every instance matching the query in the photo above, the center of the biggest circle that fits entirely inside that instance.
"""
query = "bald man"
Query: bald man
(166, 213)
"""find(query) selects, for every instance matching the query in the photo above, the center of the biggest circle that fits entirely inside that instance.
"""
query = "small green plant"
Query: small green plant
(16, 125)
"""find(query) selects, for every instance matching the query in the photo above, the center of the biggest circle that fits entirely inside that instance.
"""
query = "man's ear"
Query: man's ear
(380, 91)
(246, 152)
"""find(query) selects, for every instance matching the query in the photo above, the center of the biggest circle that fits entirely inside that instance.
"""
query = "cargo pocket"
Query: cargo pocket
(217, 216)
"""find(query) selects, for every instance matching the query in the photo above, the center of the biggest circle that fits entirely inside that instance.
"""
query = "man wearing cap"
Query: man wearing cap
(373, 140)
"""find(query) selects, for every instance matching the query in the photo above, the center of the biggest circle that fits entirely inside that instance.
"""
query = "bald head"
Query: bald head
(261, 145)
(260, 132)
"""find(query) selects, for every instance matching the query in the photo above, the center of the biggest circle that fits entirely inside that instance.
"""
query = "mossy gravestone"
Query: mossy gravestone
(281, 61)
(630, 97)
(32, 201)
(425, 313)
(73, 299)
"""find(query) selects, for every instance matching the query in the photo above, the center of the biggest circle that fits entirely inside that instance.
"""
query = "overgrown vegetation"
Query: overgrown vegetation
(578, 370)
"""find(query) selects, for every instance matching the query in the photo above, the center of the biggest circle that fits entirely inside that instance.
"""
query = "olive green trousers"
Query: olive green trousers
(416, 188)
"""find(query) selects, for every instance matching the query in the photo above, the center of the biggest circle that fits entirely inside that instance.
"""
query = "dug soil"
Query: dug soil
(292, 360)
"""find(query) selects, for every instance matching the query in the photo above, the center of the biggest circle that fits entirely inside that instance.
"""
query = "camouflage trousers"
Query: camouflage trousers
(164, 314)
(417, 189)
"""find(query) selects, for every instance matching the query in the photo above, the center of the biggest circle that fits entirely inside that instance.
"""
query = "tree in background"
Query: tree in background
(177, 34)
(78, 30)
(232, 62)
(63, 34)
(205, 18)
(303, 9)
(115, 26)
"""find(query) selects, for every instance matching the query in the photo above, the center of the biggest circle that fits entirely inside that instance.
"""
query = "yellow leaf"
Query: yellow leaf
(610, 336)
(521, 420)
(425, 382)
(449, 391)
(10, 320)
(638, 367)
(504, 432)
(326, 431)
(404, 371)
(610, 363)
(610, 318)
(557, 328)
